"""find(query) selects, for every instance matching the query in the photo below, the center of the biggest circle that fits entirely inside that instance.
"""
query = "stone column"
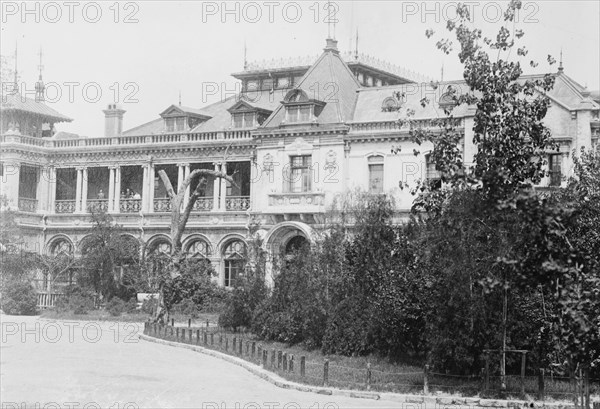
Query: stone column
(223, 187)
(84, 190)
(180, 176)
(10, 182)
(151, 178)
(41, 191)
(145, 187)
(51, 188)
(216, 188)
(187, 191)
(117, 197)
(78, 190)
(111, 189)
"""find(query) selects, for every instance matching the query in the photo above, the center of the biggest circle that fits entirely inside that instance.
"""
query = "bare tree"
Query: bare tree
(180, 213)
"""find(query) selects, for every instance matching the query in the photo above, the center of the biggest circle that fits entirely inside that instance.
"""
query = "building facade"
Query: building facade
(297, 135)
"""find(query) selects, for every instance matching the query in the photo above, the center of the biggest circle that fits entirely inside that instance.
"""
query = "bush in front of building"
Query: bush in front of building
(77, 300)
(116, 306)
(19, 298)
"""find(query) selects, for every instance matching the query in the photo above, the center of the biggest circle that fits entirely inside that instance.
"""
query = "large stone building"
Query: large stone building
(298, 134)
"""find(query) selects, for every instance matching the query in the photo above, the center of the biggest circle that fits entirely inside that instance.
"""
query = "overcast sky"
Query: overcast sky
(156, 49)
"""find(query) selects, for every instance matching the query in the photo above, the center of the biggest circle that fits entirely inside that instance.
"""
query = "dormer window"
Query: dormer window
(176, 124)
(298, 113)
(243, 119)
(244, 115)
(182, 119)
(299, 108)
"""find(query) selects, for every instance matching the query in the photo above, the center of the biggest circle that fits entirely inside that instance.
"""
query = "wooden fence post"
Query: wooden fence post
(189, 323)
(264, 358)
(247, 348)
(586, 386)
(172, 322)
(487, 372)
(212, 338)
(284, 362)
(234, 345)
(326, 373)
(177, 334)
(523, 360)
(369, 376)
(226, 343)
(426, 380)
(291, 364)
(240, 347)
(302, 366)
(172, 329)
(253, 349)
(272, 358)
(207, 324)
(279, 358)
(541, 387)
(205, 337)
(190, 335)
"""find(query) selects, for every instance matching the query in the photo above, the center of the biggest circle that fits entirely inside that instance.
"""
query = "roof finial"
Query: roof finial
(356, 46)
(560, 65)
(16, 80)
(442, 80)
(245, 56)
(328, 20)
(179, 97)
(39, 85)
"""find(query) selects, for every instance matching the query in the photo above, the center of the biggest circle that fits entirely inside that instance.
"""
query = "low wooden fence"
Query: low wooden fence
(48, 300)
(328, 373)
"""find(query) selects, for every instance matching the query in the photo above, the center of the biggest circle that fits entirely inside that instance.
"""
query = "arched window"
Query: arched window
(199, 249)
(234, 256)
(61, 247)
(295, 244)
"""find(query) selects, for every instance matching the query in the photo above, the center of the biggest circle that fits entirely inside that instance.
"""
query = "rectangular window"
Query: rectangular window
(233, 268)
(375, 174)
(170, 124)
(180, 124)
(554, 165)
(300, 174)
(299, 113)
(244, 120)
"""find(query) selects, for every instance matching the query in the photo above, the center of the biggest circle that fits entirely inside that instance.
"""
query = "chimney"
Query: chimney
(331, 45)
(113, 120)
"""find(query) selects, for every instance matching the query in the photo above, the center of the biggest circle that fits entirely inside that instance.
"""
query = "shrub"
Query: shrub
(117, 306)
(149, 305)
(19, 298)
(77, 300)
(187, 308)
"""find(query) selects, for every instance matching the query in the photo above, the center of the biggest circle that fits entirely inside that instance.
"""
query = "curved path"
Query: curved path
(79, 364)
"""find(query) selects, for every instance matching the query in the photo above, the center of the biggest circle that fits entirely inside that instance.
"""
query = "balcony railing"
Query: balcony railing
(97, 205)
(28, 205)
(237, 203)
(162, 205)
(130, 205)
(128, 140)
(64, 206)
(203, 204)
(296, 199)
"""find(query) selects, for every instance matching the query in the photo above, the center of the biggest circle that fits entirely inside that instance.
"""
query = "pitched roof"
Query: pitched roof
(329, 80)
(18, 102)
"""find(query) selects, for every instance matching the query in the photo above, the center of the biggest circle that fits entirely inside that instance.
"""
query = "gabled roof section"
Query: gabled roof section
(244, 106)
(17, 102)
(330, 81)
(178, 110)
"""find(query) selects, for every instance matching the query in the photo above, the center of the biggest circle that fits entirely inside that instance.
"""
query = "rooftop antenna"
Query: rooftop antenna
(179, 97)
(245, 56)
(328, 19)
(41, 66)
(560, 65)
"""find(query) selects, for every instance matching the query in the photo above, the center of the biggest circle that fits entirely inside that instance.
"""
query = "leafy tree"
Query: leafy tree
(104, 251)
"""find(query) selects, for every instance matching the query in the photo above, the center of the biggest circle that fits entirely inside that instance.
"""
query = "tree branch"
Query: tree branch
(167, 183)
